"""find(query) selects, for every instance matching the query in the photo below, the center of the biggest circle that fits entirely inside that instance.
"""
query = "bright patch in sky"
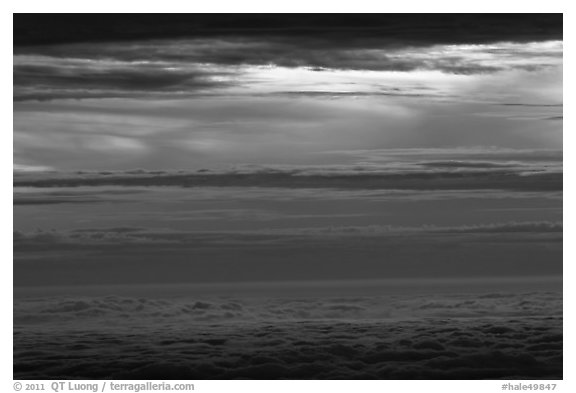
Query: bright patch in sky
(213, 102)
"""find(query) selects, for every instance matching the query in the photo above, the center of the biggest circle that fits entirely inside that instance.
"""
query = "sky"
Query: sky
(288, 196)
(215, 92)
(286, 147)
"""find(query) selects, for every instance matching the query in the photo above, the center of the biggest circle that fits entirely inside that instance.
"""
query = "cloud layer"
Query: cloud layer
(191, 67)
(440, 177)
(207, 91)
(480, 336)
(264, 236)
(343, 30)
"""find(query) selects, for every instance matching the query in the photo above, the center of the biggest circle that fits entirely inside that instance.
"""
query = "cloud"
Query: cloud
(376, 230)
(347, 30)
(38, 77)
(30, 168)
(101, 310)
(215, 96)
(190, 67)
(220, 63)
(438, 177)
(112, 235)
(291, 338)
(497, 154)
(72, 196)
(515, 227)
(383, 92)
(252, 123)
(467, 164)
(105, 257)
(22, 239)
(263, 195)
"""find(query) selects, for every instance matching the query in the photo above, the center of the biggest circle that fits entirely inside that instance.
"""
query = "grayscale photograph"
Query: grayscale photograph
(287, 196)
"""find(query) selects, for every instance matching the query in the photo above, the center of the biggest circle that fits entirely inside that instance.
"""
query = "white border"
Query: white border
(292, 6)
(317, 6)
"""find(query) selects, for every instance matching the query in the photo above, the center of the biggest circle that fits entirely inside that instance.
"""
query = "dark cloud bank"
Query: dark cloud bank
(426, 29)
(89, 56)
(423, 180)
(22, 240)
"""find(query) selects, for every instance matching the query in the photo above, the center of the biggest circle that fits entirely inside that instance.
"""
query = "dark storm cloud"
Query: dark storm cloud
(369, 29)
(41, 77)
(202, 91)
(119, 56)
(316, 54)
